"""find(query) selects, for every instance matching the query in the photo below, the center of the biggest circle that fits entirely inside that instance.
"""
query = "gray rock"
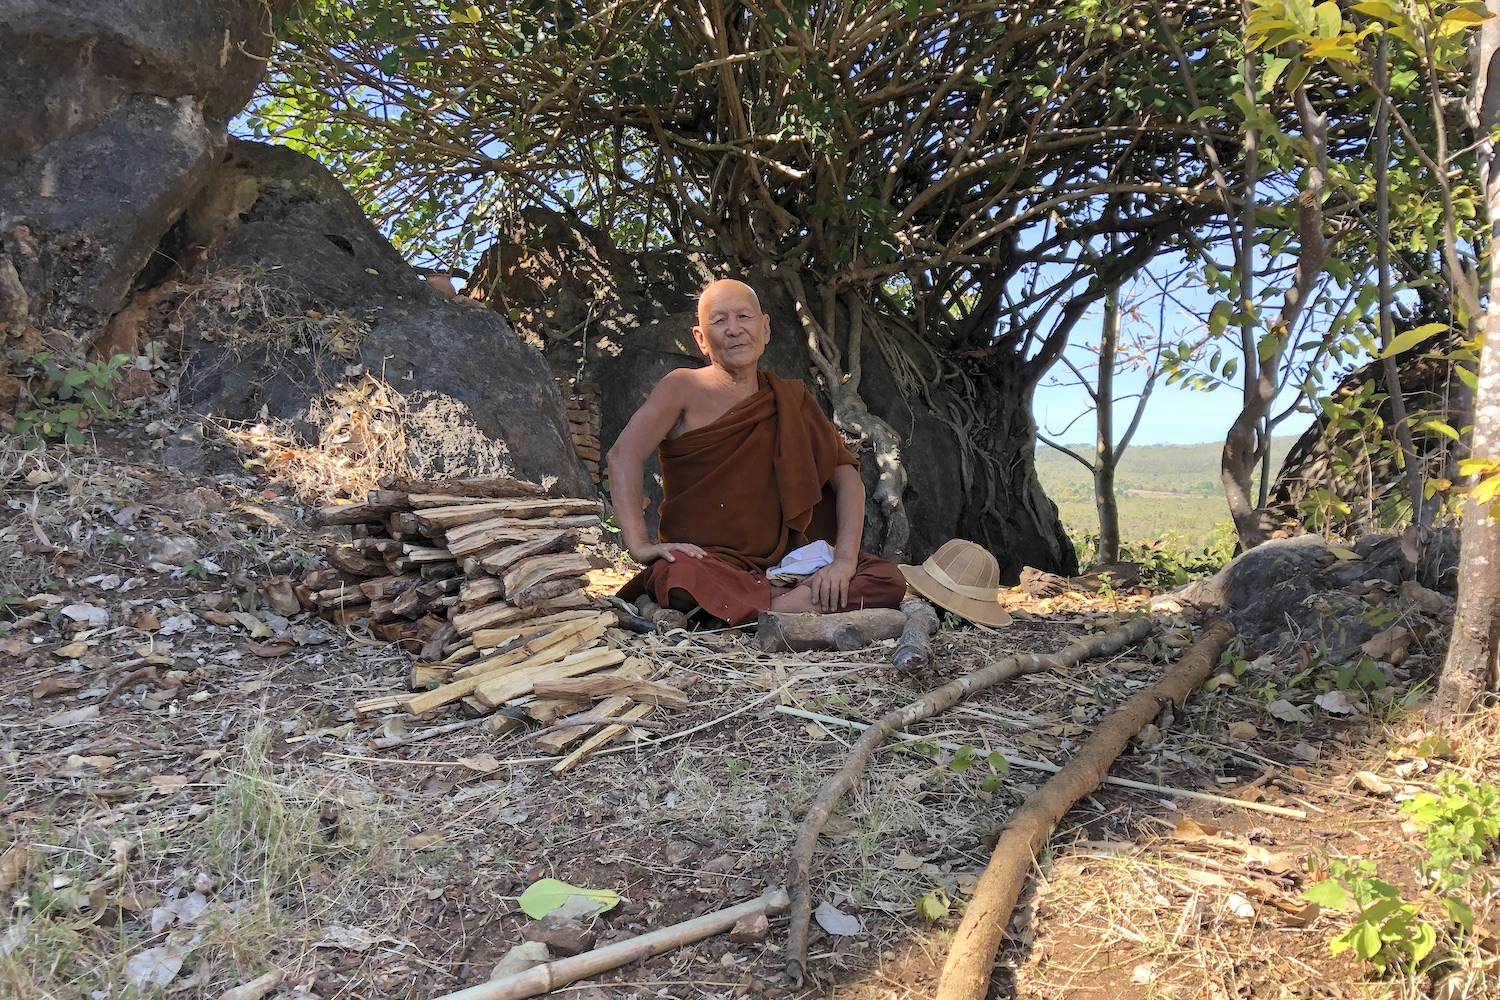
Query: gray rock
(1293, 590)
(477, 401)
(112, 116)
(561, 935)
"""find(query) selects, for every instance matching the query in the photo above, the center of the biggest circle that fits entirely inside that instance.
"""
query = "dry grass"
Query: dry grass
(361, 441)
(240, 308)
(242, 878)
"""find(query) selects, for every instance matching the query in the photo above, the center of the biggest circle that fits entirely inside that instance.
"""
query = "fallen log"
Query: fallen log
(930, 704)
(553, 975)
(777, 632)
(914, 649)
(356, 513)
(966, 973)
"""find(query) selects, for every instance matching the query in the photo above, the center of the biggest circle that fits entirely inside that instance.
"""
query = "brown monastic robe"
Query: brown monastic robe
(749, 488)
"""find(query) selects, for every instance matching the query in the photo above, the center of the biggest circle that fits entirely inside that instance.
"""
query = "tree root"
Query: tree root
(930, 704)
(966, 974)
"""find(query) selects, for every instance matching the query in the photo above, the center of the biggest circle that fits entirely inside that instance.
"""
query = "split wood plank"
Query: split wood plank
(606, 735)
(540, 507)
(529, 576)
(548, 709)
(478, 592)
(575, 630)
(488, 638)
(340, 597)
(554, 742)
(495, 691)
(425, 553)
(381, 704)
(552, 645)
(498, 561)
(389, 586)
(356, 513)
(350, 560)
(496, 615)
(605, 685)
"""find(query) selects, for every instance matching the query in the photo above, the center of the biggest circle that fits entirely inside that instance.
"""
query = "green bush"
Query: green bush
(67, 399)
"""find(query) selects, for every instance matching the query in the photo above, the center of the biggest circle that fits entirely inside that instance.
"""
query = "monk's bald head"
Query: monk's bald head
(717, 291)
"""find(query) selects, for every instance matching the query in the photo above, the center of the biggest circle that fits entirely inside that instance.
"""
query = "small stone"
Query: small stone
(562, 936)
(750, 929)
(282, 597)
(177, 550)
(1418, 596)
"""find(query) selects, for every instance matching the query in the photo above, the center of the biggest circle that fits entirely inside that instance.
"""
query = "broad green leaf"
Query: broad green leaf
(1421, 938)
(1459, 913)
(1438, 427)
(1486, 489)
(1206, 112)
(545, 895)
(1328, 894)
(1218, 317)
(1407, 339)
(1365, 940)
(1330, 21)
(1463, 15)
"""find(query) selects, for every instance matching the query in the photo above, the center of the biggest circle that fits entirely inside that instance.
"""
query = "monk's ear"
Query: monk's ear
(701, 341)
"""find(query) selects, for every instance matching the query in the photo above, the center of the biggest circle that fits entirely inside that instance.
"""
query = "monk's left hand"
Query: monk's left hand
(830, 586)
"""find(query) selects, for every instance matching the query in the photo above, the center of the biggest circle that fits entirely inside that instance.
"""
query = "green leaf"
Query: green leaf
(545, 895)
(1439, 427)
(1407, 339)
(1329, 894)
(934, 906)
(1218, 317)
(1330, 21)
(1459, 913)
(1206, 112)
(1421, 938)
(1364, 939)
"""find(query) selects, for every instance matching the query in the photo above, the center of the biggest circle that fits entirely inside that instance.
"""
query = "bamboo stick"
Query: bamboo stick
(546, 978)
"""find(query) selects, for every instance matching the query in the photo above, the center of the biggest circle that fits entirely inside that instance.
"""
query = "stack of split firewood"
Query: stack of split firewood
(484, 580)
(449, 558)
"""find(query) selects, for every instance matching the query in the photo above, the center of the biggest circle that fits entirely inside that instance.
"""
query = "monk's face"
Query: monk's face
(732, 332)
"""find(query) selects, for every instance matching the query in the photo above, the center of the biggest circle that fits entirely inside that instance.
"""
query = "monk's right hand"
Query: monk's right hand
(647, 554)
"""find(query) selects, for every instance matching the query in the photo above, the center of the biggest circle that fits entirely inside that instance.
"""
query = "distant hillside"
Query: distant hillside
(1162, 488)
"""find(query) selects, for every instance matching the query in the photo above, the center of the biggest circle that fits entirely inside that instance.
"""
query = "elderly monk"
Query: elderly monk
(751, 470)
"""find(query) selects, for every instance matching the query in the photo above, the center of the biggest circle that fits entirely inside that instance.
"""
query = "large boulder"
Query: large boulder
(1300, 591)
(112, 115)
(300, 297)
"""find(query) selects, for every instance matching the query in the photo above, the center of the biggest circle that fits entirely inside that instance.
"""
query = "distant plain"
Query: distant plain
(1165, 491)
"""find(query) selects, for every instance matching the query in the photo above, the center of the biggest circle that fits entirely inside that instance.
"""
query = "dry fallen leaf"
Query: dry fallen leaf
(483, 763)
(1191, 829)
(49, 686)
(1287, 712)
(1245, 731)
(276, 647)
(13, 865)
(74, 717)
(835, 921)
(71, 650)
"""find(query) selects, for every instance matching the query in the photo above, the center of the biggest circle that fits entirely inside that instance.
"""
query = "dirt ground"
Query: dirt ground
(188, 800)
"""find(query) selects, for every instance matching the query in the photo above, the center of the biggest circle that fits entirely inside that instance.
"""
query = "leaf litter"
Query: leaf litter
(243, 708)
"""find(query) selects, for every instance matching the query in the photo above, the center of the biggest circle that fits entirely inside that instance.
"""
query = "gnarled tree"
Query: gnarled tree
(917, 172)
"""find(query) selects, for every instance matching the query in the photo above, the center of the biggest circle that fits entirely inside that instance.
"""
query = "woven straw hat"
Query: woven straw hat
(961, 577)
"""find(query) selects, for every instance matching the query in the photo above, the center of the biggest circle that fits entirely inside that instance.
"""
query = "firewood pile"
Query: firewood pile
(484, 579)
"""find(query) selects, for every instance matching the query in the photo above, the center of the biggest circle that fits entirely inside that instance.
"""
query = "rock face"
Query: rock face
(1292, 591)
(300, 295)
(113, 115)
(624, 320)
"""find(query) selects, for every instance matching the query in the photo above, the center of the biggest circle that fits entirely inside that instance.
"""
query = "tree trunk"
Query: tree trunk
(1006, 510)
(1104, 442)
(1471, 669)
